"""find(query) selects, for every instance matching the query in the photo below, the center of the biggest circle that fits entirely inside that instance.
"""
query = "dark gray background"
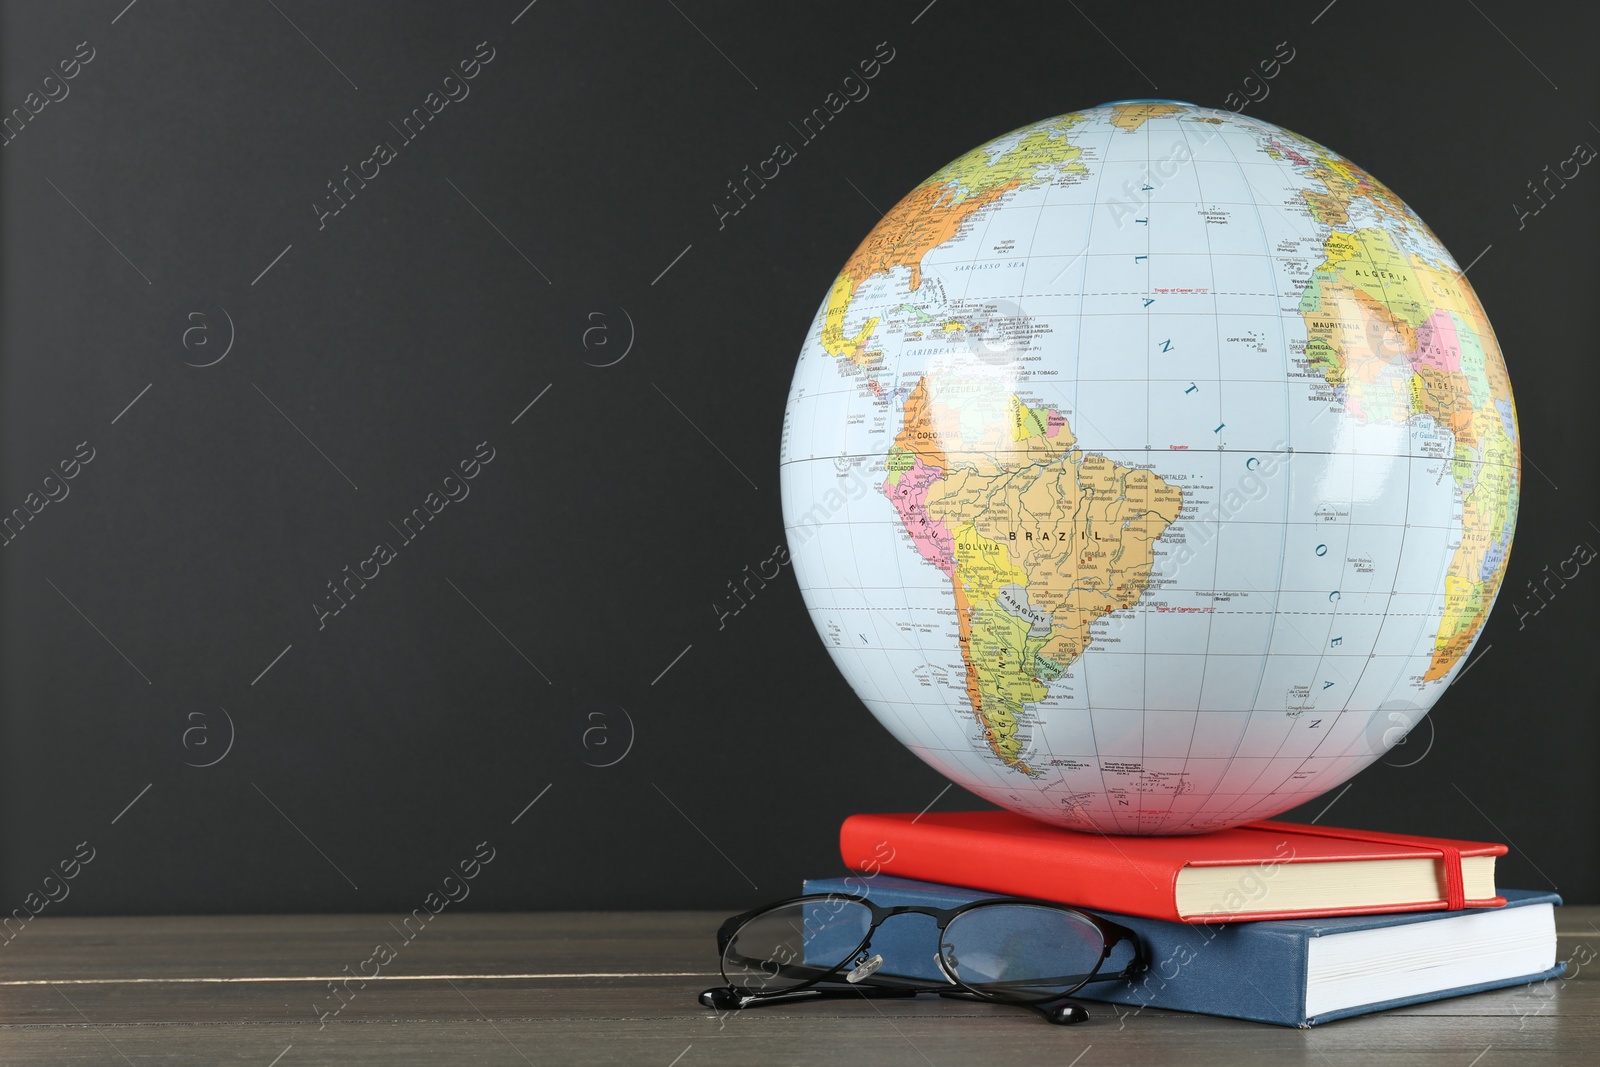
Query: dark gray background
(378, 751)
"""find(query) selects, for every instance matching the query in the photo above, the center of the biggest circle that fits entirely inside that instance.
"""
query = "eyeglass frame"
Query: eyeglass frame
(1056, 1007)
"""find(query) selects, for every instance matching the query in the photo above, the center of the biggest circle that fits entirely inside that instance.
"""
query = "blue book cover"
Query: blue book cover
(1291, 972)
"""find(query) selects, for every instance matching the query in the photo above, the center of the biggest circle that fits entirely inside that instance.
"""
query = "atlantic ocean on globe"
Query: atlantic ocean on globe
(1150, 469)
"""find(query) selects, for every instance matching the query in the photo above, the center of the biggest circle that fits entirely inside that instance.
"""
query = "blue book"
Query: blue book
(1291, 972)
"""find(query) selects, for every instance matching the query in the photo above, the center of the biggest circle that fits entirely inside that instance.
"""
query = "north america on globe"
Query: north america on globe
(1196, 460)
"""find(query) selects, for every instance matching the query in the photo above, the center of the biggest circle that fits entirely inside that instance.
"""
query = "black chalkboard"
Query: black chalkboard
(530, 347)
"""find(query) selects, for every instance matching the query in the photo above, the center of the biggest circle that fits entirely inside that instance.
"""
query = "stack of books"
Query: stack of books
(1274, 922)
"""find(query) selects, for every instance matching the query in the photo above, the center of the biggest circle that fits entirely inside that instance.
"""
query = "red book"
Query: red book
(1263, 870)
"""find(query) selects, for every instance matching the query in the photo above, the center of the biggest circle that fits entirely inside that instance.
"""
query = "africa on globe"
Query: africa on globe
(1150, 469)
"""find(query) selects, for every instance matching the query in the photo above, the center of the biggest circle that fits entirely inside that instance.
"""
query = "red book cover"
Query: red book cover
(1001, 852)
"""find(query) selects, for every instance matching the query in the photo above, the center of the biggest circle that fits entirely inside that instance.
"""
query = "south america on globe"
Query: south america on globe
(1150, 469)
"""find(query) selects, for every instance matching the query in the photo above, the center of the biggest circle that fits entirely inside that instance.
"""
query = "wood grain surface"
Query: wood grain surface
(619, 988)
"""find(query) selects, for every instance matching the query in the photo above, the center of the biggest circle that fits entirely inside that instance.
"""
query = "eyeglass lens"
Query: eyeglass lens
(1021, 951)
(793, 944)
(1014, 951)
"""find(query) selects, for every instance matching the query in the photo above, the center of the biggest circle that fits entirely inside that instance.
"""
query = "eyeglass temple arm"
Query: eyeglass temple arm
(1062, 1011)
(727, 998)
(1136, 965)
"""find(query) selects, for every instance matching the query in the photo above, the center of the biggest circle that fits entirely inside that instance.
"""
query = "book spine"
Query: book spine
(1108, 879)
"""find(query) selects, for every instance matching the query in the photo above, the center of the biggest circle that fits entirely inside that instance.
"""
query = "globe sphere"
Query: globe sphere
(1150, 469)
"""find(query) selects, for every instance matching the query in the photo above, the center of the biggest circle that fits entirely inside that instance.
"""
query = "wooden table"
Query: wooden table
(596, 988)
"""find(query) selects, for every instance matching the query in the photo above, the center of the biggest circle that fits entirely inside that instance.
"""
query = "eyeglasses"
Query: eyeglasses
(1007, 950)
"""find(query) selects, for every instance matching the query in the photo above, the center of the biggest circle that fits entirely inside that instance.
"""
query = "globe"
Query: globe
(1150, 469)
